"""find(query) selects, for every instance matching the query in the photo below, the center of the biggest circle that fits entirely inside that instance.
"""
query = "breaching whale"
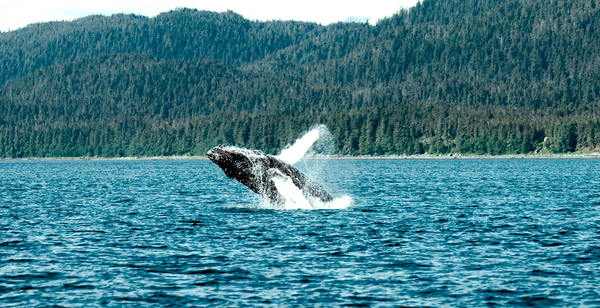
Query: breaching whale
(263, 174)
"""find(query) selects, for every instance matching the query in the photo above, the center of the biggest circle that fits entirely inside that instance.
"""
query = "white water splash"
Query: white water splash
(318, 141)
(295, 200)
(292, 195)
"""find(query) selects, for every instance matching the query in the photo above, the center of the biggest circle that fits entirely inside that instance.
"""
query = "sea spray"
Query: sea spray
(317, 142)
(293, 197)
(324, 145)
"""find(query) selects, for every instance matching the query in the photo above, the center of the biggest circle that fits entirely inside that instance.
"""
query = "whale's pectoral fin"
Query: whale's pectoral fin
(291, 194)
(294, 153)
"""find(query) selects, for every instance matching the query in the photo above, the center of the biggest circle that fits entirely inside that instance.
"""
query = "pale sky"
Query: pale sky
(15, 14)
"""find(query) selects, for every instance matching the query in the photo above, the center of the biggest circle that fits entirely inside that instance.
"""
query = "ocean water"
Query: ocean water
(453, 233)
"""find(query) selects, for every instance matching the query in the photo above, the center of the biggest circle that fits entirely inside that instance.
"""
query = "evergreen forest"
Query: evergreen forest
(445, 76)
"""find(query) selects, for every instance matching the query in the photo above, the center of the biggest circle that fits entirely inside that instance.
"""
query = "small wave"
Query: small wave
(10, 242)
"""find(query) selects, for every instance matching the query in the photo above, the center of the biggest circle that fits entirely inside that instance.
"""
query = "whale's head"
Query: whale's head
(237, 163)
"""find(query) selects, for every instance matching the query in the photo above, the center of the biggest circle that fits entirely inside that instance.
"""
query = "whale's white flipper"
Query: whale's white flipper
(294, 153)
(292, 194)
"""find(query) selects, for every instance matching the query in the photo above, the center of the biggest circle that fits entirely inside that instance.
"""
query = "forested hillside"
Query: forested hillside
(480, 77)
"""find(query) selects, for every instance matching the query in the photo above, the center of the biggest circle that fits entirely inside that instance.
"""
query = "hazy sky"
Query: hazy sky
(16, 14)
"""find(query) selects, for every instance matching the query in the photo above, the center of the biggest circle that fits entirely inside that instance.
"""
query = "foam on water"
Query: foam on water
(293, 196)
(316, 141)
(295, 200)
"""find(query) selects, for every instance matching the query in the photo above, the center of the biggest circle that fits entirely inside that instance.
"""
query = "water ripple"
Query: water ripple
(421, 233)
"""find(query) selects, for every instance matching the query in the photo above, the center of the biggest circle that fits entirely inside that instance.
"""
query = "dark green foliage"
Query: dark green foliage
(475, 76)
(566, 138)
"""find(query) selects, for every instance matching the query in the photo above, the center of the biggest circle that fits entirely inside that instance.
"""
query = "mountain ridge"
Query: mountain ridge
(475, 77)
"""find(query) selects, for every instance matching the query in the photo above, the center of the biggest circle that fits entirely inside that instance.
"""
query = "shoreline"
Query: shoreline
(326, 157)
(469, 156)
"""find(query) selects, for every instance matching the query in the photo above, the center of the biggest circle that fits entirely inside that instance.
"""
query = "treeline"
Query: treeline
(481, 77)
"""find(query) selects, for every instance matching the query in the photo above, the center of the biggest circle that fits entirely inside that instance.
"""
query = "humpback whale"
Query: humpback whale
(263, 174)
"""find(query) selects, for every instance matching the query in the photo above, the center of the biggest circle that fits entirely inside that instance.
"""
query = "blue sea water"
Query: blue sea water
(455, 233)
